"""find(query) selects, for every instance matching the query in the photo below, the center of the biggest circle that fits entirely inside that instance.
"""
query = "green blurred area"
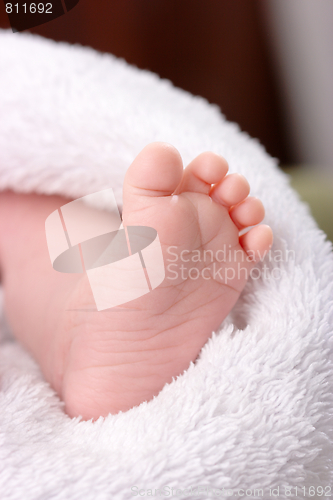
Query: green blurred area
(316, 189)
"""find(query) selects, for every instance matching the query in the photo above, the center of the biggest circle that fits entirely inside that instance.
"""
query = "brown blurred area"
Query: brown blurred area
(214, 48)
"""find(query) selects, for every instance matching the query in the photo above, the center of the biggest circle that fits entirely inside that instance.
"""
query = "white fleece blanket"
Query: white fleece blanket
(253, 415)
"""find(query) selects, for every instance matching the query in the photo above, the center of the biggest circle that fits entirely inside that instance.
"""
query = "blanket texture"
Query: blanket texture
(252, 417)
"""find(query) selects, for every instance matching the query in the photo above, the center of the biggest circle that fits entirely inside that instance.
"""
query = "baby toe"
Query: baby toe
(257, 241)
(233, 189)
(155, 172)
(206, 169)
(247, 213)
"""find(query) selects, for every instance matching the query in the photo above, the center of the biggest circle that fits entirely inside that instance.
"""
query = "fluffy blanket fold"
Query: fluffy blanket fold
(255, 410)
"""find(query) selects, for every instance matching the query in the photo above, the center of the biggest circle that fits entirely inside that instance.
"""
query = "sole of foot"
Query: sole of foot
(107, 361)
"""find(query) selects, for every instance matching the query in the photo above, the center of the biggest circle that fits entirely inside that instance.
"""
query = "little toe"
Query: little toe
(156, 171)
(206, 169)
(233, 189)
(247, 213)
(257, 241)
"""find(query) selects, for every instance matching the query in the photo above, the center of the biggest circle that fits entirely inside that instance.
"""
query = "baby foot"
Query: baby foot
(112, 360)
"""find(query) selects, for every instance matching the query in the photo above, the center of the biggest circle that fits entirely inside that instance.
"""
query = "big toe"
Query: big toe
(155, 172)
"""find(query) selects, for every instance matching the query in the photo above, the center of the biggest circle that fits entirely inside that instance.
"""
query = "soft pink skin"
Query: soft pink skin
(108, 361)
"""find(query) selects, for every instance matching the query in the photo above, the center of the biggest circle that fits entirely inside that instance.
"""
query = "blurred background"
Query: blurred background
(267, 64)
